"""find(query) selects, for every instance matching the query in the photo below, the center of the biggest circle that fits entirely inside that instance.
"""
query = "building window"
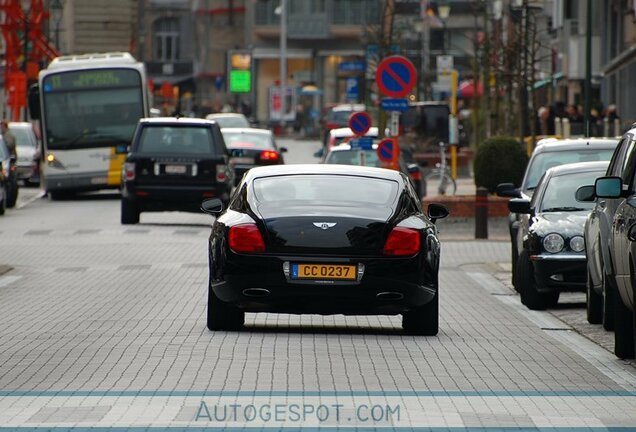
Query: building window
(166, 40)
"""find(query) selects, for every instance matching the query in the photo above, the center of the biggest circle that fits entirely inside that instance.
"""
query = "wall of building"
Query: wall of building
(99, 26)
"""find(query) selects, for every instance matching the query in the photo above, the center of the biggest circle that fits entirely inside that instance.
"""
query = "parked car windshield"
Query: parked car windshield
(180, 140)
(22, 137)
(560, 192)
(544, 161)
(342, 190)
(354, 157)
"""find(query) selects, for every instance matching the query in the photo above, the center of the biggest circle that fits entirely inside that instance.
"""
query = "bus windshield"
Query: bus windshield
(91, 108)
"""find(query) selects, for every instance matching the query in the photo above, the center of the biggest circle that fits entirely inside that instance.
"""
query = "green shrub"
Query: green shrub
(499, 160)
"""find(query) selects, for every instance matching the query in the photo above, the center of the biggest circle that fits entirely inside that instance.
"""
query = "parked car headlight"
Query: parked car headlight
(577, 244)
(553, 243)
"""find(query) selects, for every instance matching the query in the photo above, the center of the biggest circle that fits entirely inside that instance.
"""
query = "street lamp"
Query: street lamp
(57, 8)
(443, 11)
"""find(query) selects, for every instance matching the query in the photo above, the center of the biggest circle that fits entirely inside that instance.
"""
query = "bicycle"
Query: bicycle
(440, 177)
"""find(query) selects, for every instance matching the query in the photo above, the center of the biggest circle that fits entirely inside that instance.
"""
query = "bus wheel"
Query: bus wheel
(129, 212)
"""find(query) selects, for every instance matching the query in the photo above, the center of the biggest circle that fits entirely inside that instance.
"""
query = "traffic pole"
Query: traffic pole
(453, 125)
(481, 213)
(395, 135)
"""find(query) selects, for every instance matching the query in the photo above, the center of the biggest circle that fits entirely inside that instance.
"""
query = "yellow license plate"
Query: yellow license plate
(323, 271)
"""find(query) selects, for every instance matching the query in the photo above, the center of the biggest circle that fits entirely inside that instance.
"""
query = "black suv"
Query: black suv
(173, 164)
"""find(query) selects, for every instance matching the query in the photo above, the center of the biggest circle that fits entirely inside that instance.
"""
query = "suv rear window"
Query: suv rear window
(179, 140)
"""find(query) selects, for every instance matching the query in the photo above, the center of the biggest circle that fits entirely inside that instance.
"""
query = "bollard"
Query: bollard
(481, 213)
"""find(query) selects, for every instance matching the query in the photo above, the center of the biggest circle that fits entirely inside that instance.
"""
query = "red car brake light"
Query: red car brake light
(402, 242)
(269, 156)
(246, 238)
(416, 176)
(129, 170)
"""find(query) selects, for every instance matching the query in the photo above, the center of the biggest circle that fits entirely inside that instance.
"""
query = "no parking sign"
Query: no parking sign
(396, 76)
(359, 123)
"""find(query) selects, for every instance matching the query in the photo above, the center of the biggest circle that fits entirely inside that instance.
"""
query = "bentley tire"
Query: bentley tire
(423, 320)
(223, 316)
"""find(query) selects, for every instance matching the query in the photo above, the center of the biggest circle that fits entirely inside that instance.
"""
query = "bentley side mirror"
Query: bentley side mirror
(212, 206)
(519, 205)
(608, 187)
(437, 211)
(585, 194)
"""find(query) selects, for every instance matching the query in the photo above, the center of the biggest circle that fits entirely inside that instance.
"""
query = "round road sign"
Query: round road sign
(395, 76)
(385, 150)
(359, 123)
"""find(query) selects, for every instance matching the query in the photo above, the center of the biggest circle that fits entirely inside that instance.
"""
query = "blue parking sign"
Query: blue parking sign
(352, 92)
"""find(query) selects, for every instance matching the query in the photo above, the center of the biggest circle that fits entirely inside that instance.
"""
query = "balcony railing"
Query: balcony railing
(329, 12)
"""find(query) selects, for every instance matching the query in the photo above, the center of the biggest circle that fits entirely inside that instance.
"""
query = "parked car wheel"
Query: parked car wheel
(515, 258)
(609, 292)
(530, 297)
(3, 203)
(623, 329)
(12, 193)
(594, 303)
(423, 320)
(223, 316)
(129, 212)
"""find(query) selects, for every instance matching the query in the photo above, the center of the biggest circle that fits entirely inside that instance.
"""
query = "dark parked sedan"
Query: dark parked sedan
(173, 164)
(250, 147)
(550, 241)
(324, 239)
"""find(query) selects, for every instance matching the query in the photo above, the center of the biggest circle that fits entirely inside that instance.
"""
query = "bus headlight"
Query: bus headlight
(52, 161)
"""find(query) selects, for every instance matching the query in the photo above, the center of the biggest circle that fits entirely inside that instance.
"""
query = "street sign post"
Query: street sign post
(362, 143)
(359, 123)
(386, 150)
(395, 77)
(394, 104)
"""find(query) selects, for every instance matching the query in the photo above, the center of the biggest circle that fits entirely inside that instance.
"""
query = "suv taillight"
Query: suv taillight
(402, 242)
(246, 238)
(221, 174)
(129, 171)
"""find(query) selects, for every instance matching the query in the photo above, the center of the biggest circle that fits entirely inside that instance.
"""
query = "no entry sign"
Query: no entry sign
(359, 123)
(396, 76)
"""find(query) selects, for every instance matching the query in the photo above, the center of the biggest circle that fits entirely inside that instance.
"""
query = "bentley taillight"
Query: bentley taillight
(246, 238)
(402, 242)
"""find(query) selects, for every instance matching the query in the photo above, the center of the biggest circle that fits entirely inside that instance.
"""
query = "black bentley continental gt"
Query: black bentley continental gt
(325, 239)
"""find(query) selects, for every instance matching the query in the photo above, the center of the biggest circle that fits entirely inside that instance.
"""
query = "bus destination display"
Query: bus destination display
(90, 79)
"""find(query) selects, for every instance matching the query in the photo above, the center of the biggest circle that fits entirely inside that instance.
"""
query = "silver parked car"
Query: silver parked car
(27, 151)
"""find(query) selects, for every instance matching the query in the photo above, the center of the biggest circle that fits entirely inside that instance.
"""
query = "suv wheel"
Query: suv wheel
(129, 212)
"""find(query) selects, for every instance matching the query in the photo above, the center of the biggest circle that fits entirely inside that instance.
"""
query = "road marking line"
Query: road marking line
(6, 280)
(597, 356)
(30, 200)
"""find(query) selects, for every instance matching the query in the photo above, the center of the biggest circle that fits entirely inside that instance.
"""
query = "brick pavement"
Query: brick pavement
(96, 307)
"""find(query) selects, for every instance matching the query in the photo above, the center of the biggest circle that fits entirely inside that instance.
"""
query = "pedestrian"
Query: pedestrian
(9, 138)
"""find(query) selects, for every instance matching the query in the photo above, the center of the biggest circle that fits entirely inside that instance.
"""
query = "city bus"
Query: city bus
(88, 107)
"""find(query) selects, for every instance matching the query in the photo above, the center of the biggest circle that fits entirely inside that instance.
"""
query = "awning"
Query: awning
(172, 79)
(274, 53)
(341, 53)
(626, 57)
(310, 90)
(544, 82)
